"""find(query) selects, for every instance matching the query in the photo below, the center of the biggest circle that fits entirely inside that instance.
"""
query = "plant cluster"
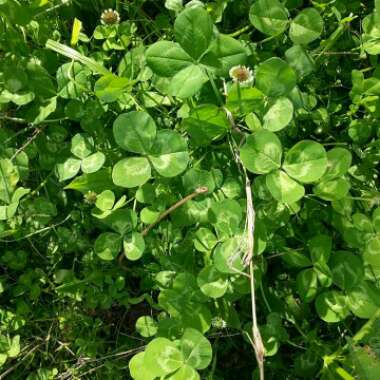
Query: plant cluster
(189, 189)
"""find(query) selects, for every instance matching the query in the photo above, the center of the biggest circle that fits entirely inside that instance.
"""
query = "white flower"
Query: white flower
(241, 74)
(110, 17)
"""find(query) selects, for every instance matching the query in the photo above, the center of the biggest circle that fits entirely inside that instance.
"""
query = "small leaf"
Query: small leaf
(105, 200)
(82, 145)
(134, 246)
(93, 163)
(307, 284)
(68, 169)
(108, 245)
(146, 326)
(228, 256)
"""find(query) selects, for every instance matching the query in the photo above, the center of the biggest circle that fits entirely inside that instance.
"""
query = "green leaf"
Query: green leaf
(138, 369)
(275, 77)
(211, 282)
(195, 178)
(228, 256)
(300, 60)
(169, 154)
(206, 123)
(320, 247)
(105, 200)
(364, 299)
(230, 53)
(68, 169)
(283, 188)
(306, 27)
(167, 58)
(279, 115)
(196, 349)
(135, 131)
(108, 245)
(134, 246)
(307, 285)
(73, 80)
(306, 161)
(193, 30)
(93, 163)
(371, 253)
(376, 219)
(347, 269)
(261, 152)
(96, 182)
(269, 16)
(131, 172)
(338, 162)
(331, 306)
(82, 145)
(9, 176)
(75, 55)
(333, 190)
(185, 373)
(187, 82)
(146, 326)
(226, 216)
(109, 88)
(162, 357)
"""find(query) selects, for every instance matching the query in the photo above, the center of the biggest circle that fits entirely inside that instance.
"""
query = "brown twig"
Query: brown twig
(198, 191)
(36, 132)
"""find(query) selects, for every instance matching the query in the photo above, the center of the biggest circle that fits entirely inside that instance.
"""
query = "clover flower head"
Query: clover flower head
(241, 74)
(110, 17)
(218, 323)
(90, 197)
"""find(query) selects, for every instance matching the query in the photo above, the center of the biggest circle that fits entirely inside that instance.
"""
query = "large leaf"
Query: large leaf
(306, 27)
(9, 176)
(169, 154)
(135, 131)
(261, 152)
(206, 123)
(306, 161)
(196, 349)
(131, 172)
(269, 16)
(187, 82)
(283, 188)
(162, 357)
(275, 77)
(110, 87)
(193, 29)
(167, 58)
(279, 115)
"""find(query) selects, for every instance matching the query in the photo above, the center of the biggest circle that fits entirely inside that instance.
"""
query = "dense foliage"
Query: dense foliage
(149, 149)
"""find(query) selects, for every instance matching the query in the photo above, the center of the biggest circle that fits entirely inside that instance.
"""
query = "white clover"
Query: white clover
(241, 74)
(110, 17)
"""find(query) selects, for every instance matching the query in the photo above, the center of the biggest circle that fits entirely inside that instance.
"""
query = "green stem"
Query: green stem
(240, 31)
